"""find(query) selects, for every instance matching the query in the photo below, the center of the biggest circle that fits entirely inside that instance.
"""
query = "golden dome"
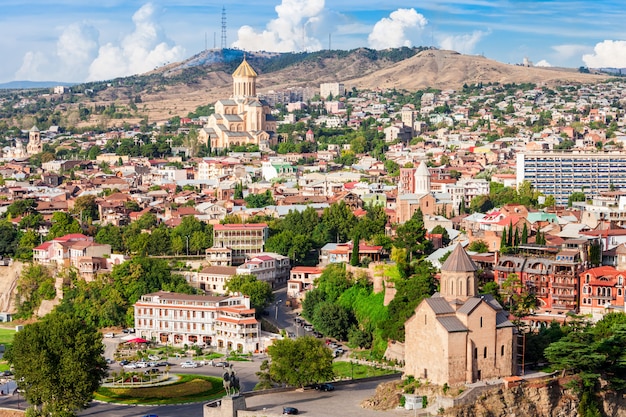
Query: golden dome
(244, 70)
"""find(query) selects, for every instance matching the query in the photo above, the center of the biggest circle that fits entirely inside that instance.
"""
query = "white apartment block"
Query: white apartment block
(225, 322)
(334, 89)
(562, 173)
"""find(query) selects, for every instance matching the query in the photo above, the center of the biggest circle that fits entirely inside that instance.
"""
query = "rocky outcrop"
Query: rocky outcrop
(549, 398)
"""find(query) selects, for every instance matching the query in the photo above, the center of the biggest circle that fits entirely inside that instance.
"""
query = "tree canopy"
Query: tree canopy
(299, 362)
(58, 363)
(260, 292)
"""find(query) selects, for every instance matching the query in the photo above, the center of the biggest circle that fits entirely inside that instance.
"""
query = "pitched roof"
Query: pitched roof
(452, 324)
(459, 261)
(439, 305)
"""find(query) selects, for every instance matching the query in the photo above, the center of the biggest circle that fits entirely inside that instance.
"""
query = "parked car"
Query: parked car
(110, 361)
(141, 364)
(162, 364)
(308, 328)
(154, 358)
(109, 335)
(333, 345)
(130, 366)
(189, 364)
(221, 364)
(324, 387)
(124, 362)
(150, 415)
(290, 410)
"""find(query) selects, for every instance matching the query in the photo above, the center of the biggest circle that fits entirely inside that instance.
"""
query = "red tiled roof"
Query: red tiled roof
(237, 226)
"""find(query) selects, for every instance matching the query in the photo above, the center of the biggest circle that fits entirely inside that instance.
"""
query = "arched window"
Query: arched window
(475, 353)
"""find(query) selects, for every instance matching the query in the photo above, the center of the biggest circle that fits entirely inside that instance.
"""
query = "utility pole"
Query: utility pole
(223, 27)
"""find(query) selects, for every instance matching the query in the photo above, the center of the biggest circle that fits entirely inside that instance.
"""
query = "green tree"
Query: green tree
(412, 236)
(63, 224)
(354, 257)
(524, 238)
(337, 223)
(8, 238)
(59, 364)
(259, 200)
(86, 208)
(479, 246)
(260, 292)
(332, 320)
(299, 362)
(576, 197)
(111, 235)
(333, 282)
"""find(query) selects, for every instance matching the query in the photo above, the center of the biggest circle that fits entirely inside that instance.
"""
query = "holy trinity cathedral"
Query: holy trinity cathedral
(243, 119)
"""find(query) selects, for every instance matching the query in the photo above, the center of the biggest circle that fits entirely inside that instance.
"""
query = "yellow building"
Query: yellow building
(458, 336)
(243, 119)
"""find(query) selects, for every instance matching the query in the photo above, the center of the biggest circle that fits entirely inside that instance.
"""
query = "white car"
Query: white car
(109, 335)
(188, 364)
(141, 364)
(130, 366)
(154, 358)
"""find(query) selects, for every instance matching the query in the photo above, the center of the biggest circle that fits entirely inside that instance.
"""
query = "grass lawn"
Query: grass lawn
(189, 388)
(6, 338)
(356, 371)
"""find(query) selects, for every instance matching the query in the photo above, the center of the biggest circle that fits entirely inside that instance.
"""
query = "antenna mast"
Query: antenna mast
(223, 27)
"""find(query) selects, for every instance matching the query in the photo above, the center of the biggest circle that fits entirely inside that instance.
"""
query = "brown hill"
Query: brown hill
(359, 68)
(449, 69)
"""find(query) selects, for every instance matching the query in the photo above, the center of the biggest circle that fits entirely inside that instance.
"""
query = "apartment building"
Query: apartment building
(213, 279)
(562, 173)
(241, 239)
(269, 267)
(225, 322)
(302, 280)
(332, 89)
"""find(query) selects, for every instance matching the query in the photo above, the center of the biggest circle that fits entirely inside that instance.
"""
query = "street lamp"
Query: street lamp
(276, 315)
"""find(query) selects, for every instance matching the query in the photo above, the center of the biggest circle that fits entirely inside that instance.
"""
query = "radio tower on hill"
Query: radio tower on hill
(223, 27)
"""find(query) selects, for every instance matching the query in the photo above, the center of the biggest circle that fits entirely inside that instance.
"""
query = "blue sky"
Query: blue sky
(76, 40)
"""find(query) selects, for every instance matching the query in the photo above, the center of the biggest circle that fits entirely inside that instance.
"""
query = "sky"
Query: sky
(79, 40)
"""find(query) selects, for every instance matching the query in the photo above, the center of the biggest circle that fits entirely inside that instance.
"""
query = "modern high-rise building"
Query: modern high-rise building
(562, 173)
(334, 89)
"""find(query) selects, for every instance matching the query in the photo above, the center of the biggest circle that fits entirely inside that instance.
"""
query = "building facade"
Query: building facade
(241, 239)
(457, 336)
(268, 267)
(225, 322)
(562, 173)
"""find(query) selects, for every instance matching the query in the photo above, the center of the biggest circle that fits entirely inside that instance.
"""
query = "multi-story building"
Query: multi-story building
(601, 291)
(302, 280)
(552, 273)
(562, 173)
(269, 267)
(213, 279)
(332, 89)
(241, 239)
(225, 322)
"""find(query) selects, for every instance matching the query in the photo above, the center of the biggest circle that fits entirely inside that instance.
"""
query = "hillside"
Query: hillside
(179, 88)
(361, 68)
(449, 69)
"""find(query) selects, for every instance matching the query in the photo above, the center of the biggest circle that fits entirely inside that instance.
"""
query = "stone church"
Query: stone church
(457, 336)
(243, 119)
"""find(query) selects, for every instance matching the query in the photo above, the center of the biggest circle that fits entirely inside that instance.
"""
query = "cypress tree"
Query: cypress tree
(354, 259)
(503, 239)
(524, 234)
(516, 238)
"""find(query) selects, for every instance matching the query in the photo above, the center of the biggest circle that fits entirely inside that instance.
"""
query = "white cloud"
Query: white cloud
(607, 54)
(75, 48)
(568, 51)
(291, 31)
(464, 44)
(543, 63)
(141, 51)
(401, 28)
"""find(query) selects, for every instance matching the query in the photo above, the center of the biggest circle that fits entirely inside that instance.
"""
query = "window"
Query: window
(485, 352)
(502, 350)
(475, 353)
(481, 322)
